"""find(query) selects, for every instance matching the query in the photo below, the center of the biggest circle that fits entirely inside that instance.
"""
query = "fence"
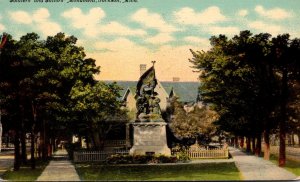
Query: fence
(217, 153)
(96, 156)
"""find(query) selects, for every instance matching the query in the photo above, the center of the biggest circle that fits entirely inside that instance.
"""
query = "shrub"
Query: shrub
(140, 159)
(182, 156)
(120, 159)
(166, 159)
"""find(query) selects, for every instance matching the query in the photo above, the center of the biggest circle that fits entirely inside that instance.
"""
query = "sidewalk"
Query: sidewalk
(255, 168)
(6, 161)
(59, 169)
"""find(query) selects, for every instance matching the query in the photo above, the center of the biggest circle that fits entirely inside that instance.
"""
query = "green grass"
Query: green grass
(292, 166)
(26, 173)
(216, 171)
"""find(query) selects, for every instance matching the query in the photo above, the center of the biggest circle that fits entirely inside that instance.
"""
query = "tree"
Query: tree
(251, 75)
(10, 91)
(233, 75)
(36, 79)
(196, 124)
(286, 56)
(100, 109)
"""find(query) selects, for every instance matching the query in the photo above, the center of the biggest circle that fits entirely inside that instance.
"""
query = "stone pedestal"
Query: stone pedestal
(149, 138)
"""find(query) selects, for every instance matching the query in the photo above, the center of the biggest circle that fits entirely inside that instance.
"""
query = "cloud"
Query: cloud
(243, 12)
(123, 57)
(189, 16)
(229, 31)
(152, 20)
(117, 58)
(85, 21)
(91, 23)
(49, 28)
(160, 38)
(21, 17)
(275, 14)
(39, 20)
(119, 29)
(2, 27)
(265, 27)
(119, 44)
(41, 15)
(197, 40)
(294, 34)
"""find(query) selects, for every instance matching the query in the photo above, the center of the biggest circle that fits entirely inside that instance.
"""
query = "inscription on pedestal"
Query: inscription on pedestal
(150, 137)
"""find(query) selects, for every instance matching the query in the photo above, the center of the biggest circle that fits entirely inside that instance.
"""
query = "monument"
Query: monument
(149, 128)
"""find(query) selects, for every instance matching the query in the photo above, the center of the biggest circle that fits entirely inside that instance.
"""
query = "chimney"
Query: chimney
(176, 79)
(142, 69)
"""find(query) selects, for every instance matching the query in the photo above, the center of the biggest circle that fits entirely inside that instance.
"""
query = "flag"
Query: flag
(148, 78)
(3, 41)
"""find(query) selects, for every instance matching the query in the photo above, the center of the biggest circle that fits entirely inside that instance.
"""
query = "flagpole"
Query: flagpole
(152, 91)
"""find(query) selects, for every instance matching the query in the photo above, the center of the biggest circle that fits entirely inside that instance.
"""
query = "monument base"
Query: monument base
(149, 138)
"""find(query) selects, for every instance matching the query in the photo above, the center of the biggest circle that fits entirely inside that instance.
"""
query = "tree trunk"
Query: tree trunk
(299, 139)
(293, 139)
(53, 145)
(236, 140)
(253, 145)
(92, 142)
(32, 135)
(282, 155)
(231, 141)
(23, 135)
(282, 121)
(17, 161)
(23, 146)
(248, 147)
(267, 144)
(242, 142)
(87, 140)
(22, 131)
(97, 143)
(258, 145)
(44, 143)
(32, 158)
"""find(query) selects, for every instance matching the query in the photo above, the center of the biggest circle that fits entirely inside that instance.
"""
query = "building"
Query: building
(187, 93)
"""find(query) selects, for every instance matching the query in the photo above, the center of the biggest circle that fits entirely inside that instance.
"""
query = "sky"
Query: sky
(123, 34)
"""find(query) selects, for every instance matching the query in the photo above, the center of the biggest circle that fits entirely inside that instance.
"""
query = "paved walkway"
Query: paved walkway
(6, 161)
(255, 168)
(59, 169)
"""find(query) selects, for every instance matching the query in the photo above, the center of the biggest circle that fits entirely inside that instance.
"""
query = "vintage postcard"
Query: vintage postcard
(210, 86)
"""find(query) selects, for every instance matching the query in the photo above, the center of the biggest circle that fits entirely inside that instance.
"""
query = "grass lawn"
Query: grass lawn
(292, 166)
(26, 173)
(215, 171)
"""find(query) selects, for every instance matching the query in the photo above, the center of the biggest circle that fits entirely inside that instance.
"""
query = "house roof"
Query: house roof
(186, 91)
